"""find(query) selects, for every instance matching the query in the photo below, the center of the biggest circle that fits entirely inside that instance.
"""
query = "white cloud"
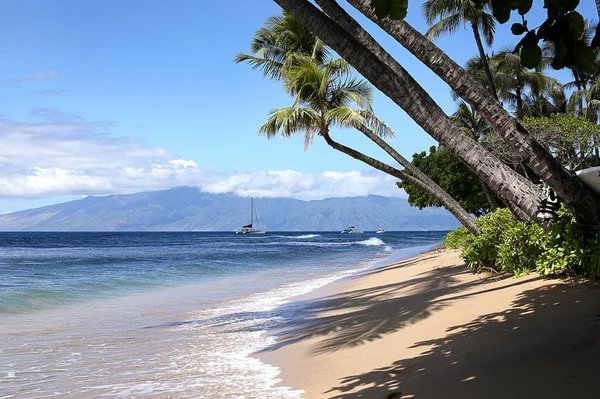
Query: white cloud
(32, 77)
(66, 155)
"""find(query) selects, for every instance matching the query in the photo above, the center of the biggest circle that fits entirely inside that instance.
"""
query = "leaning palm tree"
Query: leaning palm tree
(297, 52)
(452, 14)
(475, 126)
(327, 96)
(373, 62)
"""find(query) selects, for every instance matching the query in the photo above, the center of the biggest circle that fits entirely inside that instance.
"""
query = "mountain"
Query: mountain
(187, 209)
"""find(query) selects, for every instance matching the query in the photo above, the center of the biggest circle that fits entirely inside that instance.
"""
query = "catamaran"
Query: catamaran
(248, 229)
(352, 229)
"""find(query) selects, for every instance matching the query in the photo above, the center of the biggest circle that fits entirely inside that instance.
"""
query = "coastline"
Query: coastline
(429, 328)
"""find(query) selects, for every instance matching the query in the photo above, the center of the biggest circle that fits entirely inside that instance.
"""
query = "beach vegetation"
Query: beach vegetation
(453, 176)
(510, 246)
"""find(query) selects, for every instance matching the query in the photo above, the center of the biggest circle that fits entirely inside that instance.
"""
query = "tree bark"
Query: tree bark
(489, 196)
(441, 197)
(598, 7)
(404, 91)
(484, 60)
(568, 187)
(519, 103)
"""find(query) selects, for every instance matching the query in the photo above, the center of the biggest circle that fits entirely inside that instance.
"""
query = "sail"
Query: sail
(248, 226)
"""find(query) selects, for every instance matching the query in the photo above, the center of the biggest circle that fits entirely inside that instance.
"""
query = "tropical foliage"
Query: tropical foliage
(538, 132)
(508, 246)
(453, 176)
(562, 28)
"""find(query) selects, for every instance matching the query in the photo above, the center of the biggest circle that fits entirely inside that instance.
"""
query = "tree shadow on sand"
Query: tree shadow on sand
(355, 317)
(546, 345)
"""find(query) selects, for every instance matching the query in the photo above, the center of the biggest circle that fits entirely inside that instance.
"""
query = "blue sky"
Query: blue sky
(123, 96)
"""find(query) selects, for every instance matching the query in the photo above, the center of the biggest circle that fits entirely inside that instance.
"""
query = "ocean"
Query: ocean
(163, 315)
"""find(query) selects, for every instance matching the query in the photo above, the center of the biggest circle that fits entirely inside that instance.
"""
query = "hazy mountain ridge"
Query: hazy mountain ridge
(187, 209)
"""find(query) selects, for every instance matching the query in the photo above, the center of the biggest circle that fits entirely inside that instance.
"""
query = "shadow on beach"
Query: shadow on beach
(545, 345)
(356, 317)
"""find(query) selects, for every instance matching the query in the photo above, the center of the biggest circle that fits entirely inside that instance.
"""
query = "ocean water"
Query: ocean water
(163, 315)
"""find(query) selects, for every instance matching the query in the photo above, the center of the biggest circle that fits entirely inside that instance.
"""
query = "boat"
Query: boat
(352, 229)
(249, 228)
(590, 177)
(380, 230)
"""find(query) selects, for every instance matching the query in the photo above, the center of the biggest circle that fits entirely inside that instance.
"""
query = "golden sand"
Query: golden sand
(430, 328)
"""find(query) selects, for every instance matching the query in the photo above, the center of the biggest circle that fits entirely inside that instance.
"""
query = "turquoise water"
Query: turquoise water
(162, 314)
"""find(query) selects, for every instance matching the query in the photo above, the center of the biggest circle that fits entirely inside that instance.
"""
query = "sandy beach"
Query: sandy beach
(430, 328)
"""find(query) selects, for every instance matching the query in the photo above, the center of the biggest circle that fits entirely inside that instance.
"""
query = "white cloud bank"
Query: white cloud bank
(67, 155)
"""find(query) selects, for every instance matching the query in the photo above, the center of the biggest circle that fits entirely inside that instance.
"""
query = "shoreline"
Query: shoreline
(428, 327)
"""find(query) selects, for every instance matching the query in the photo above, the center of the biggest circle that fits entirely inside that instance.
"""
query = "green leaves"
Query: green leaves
(531, 53)
(502, 9)
(564, 28)
(518, 29)
(508, 246)
(395, 9)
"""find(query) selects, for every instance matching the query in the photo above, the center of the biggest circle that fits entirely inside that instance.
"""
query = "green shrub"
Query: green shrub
(508, 246)
(482, 251)
(459, 238)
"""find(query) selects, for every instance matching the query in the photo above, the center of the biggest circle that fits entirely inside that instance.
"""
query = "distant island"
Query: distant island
(189, 209)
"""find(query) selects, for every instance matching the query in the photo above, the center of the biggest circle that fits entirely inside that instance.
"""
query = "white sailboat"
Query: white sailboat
(249, 229)
(353, 229)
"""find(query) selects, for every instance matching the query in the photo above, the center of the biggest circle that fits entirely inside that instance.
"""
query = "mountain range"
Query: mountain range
(189, 209)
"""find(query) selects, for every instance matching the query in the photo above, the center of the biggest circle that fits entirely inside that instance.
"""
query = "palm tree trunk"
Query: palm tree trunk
(489, 196)
(439, 196)
(598, 7)
(404, 91)
(519, 103)
(484, 60)
(568, 187)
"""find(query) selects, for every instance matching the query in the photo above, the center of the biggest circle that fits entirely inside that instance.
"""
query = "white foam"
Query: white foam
(371, 242)
(308, 236)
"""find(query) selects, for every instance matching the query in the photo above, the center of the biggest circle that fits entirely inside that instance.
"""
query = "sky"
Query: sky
(124, 96)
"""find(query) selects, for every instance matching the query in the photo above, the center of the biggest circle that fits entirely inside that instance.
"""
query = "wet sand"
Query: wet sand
(430, 328)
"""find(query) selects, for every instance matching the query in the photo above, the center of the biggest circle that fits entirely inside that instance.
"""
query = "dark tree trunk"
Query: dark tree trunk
(568, 187)
(484, 60)
(598, 7)
(441, 197)
(399, 86)
(519, 103)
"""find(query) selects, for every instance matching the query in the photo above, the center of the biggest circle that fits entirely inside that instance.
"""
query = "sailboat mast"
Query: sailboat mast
(355, 218)
(251, 211)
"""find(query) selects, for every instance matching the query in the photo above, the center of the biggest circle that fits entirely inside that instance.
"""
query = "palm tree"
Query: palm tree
(568, 187)
(327, 96)
(281, 36)
(475, 126)
(453, 13)
(326, 89)
(512, 79)
(356, 46)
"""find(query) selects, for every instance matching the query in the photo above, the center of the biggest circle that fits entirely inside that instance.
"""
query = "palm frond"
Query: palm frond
(487, 26)
(270, 68)
(446, 25)
(288, 121)
(376, 125)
